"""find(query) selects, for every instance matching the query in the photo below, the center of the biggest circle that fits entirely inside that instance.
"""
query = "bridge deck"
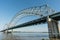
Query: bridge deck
(55, 16)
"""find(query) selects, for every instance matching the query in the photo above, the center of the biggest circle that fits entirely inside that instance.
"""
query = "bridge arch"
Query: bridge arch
(39, 11)
(42, 12)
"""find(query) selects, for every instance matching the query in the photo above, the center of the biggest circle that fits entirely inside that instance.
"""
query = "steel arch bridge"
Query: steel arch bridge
(43, 12)
(40, 11)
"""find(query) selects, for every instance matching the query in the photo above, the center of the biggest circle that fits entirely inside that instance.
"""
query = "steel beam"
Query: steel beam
(55, 16)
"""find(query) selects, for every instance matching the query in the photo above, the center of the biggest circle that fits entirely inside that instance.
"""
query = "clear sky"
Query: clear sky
(8, 8)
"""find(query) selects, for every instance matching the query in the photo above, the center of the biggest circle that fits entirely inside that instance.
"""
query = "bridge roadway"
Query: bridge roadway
(55, 16)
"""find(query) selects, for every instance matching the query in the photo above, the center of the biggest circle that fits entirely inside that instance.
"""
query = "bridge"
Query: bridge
(45, 14)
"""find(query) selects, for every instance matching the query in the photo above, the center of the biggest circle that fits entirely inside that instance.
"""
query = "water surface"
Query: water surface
(24, 36)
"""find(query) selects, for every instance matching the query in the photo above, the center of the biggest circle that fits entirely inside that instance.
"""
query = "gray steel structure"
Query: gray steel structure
(37, 21)
(42, 11)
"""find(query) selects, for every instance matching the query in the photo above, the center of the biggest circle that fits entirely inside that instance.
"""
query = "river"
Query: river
(24, 36)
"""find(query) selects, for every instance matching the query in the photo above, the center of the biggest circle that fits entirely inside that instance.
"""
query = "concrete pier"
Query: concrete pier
(53, 28)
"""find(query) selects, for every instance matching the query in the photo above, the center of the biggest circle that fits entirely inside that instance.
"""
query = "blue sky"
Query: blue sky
(8, 8)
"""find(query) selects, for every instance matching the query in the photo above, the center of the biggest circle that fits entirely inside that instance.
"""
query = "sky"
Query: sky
(9, 8)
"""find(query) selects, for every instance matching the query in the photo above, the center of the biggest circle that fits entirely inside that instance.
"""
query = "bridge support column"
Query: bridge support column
(53, 28)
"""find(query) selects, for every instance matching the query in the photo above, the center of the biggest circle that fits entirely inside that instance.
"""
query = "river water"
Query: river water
(24, 36)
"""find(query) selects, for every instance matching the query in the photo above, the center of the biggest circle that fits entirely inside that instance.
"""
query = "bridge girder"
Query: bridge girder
(37, 21)
(40, 11)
